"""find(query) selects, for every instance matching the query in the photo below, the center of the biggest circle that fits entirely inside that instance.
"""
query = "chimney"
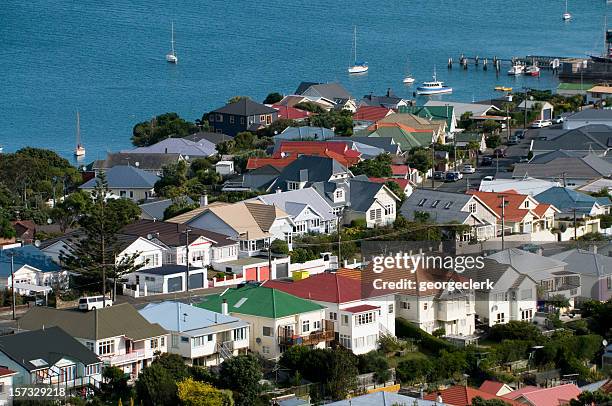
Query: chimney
(224, 308)
(165, 150)
(439, 398)
(278, 190)
(203, 200)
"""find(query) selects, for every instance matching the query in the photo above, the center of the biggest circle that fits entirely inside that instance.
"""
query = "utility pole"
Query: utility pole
(507, 122)
(12, 255)
(433, 164)
(575, 230)
(525, 110)
(503, 219)
(187, 231)
(340, 213)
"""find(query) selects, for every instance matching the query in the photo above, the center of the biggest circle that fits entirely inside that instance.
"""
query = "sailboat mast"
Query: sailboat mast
(355, 41)
(78, 130)
(172, 38)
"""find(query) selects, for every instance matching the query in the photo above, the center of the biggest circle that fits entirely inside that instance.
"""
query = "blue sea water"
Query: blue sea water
(106, 58)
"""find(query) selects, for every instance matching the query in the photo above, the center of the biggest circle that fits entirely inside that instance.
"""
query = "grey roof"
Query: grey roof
(49, 344)
(167, 269)
(367, 151)
(256, 179)
(362, 193)
(125, 177)
(384, 398)
(536, 266)
(596, 185)
(183, 146)
(586, 262)
(447, 210)
(192, 320)
(308, 133)
(308, 168)
(156, 208)
(491, 271)
(556, 163)
(460, 108)
(245, 107)
(114, 321)
(591, 114)
(330, 91)
(385, 143)
(566, 200)
(145, 161)
(215, 138)
(387, 100)
(173, 234)
(468, 137)
(526, 185)
(294, 201)
(587, 138)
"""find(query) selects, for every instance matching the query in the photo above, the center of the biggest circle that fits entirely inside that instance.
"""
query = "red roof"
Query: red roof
(254, 163)
(491, 387)
(6, 372)
(463, 395)
(360, 308)
(337, 150)
(516, 393)
(400, 169)
(514, 209)
(324, 287)
(402, 183)
(554, 396)
(290, 112)
(371, 113)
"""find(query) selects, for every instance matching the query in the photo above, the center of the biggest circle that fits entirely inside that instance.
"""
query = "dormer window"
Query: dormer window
(339, 195)
(293, 185)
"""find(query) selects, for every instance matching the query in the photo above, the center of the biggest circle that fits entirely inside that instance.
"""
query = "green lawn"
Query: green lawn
(393, 361)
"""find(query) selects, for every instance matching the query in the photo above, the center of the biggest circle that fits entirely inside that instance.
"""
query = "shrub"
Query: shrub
(404, 328)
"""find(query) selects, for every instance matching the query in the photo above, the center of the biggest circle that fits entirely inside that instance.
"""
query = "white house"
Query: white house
(277, 320)
(200, 336)
(359, 320)
(588, 117)
(33, 270)
(166, 279)
(128, 182)
(225, 168)
(595, 272)
(118, 334)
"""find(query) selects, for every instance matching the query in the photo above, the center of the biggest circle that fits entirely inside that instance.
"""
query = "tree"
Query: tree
(244, 141)
(241, 374)
(225, 147)
(273, 98)
(194, 393)
(514, 330)
(478, 401)
(236, 99)
(587, 398)
(340, 120)
(376, 362)
(558, 301)
(379, 167)
(116, 383)
(397, 190)
(156, 386)
(421, 160)
(92, 253)
(6, 228)
(490, 126)
(414, 371)
(293, 358)
(66, 213)
(493, 141)
(341, 373)
(173, 180)
(279, 247)
(277, 127)
(310, 107)
(161, 127)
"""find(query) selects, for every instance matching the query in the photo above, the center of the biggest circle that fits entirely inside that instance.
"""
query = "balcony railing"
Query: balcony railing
(323, 335)
(123, 358)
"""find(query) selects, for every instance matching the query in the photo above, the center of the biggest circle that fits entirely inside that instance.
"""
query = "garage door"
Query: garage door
(196, 281)
(175, 284)
(282, 270)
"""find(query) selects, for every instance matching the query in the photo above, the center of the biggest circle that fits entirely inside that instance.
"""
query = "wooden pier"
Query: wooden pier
(495, 63)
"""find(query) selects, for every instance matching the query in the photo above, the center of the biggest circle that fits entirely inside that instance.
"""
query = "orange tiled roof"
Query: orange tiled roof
(255, 163)
(513, 210)
(463, 395)
(336, 150)
(371, 113)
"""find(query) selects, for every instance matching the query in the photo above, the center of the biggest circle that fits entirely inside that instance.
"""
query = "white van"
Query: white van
(93, 302)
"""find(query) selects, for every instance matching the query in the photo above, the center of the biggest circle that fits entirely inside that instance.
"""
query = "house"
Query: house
(154, 210)
(367, 115)
(598, 93)
(513, 296)
(147, 161)
(366, 151)
(306, 170)
(127, 182)
(305, 133)
(32, 269)
(569, 168)
(359, 317)
(291, 113)
(522, 214)
(117, 334)
(205, 247)
(463, 140)
(277, 163)
(200, 336)
(403, 136)
(545, 110)
(243, 115)
(595, 272)
(336, 150)
(186, 148)
(569, 201)
(6, 382)
(525, 186)
(573, 89)
(277, 319)
(213, 137)
(49, 356)
(310, 212)
(593, 138)
(224, 168)
(551, 274)
(459, 395)
(405, 185)
(476, 111)
(387, 144)
(389, 100)
(587, 117)
(334, 92)
(596, 185)
(261, 177)
(296, 100)
(415, 124)
(453, 208)
(606, 358)
(384, 398)
(495, 388)
(370, 201)
(556, 395)
(444, 112)
(253, 224)
(165, 279)
(25, 231)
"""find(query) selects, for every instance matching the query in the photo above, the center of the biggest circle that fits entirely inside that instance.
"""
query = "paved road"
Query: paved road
(194, 296)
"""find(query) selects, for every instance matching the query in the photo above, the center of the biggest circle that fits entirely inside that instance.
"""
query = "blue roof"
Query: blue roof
(301, 133)
(183, 146)
(26, 255)
(127, 177)
(566, 199)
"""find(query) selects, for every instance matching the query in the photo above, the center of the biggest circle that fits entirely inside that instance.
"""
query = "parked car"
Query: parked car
(524, 159)
(520, 134)
(541, 124)
(513, 140)
(93, 302)
(453, 176)
(488, 178)
(438, 175)
(499, 153)
(486, 161)
(468, 169)
(559, 120)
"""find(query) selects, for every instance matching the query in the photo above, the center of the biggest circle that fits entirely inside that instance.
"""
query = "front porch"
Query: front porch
(287, 335)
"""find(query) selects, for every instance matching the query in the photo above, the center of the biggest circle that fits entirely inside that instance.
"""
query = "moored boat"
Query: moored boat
(433, 87)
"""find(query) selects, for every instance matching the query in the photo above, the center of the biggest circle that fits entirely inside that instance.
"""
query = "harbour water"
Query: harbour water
(107, 59)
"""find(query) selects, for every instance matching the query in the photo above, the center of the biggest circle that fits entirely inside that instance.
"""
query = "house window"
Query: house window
(150, 260)
(389, 209)
(339, 195)
(500, 318)
(364, 318)
(372, 215)
(345, 320)
(267, 331)
(333, 316)
(526, 294)
(472, 208)
(422, 202)
(391, 308)
(425, 306)
(526, 204)
(241, 120)
(175, 341)
(106, 347)
(265, 349)
(240, 334)
(316, 325)
(219, 118)
(268, 119)
(90, 346)
(293, 185)
(405, 305)
(131, 194)
(154, 343)
(378, 214)
(314, 223)
(231, 119)
(345, 341)
(184, 339)
(609, 282)
(305, 326)
(122, 193)
(359, 342)
(90, 370)
(448, 205)
(262, 118)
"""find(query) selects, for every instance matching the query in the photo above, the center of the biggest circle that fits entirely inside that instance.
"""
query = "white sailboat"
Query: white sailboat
(171, 57)
(358, 66)
(408, 79)
(79, 150)
(566, 16)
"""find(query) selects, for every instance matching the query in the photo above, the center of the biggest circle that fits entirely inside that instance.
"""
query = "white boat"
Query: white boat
(358, 66)
(516, 69)
(433, 87)
(408, 80)
(1, 149)
(532, 70)
(79, 150)
(171, 57)
(566, 16)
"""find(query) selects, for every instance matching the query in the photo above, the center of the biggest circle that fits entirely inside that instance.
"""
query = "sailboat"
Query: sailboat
(408, 79)
(171, 57)
(80, 149)
(358, 66)
(566, 16)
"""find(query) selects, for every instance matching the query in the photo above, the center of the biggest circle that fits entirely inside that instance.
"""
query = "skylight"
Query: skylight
(241, 302)
(38, 362)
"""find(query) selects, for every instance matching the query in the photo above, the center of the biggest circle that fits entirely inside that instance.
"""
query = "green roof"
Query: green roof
(431, 112)
(575, 86)
(406, 140)
(467, 137)
(259, 301)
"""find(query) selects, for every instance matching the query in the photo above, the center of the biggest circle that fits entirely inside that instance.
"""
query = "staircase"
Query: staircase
(225, 349)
